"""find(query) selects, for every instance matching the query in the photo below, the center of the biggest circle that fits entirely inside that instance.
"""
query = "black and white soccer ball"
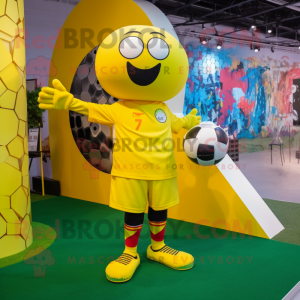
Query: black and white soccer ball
(206, 144)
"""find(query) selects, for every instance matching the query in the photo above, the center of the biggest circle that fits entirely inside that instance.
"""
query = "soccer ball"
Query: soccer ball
(206, 144)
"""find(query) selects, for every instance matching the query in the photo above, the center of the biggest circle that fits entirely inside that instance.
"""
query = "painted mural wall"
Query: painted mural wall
(249, 94)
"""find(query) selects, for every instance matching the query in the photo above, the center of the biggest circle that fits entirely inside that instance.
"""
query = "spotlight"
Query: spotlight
(253, 27)
(299, 47)
(270, 30)
(203, 40)
(256, 49)
(219, 44)
(272, 49)
(203, 26)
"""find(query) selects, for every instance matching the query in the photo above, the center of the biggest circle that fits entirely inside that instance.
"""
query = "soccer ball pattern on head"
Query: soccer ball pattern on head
(206, 144)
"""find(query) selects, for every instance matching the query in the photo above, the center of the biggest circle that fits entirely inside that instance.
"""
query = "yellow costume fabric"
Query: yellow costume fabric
(143, 147)
(132, 195)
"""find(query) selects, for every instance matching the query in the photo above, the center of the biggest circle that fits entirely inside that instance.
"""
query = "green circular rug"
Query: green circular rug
(39, 244)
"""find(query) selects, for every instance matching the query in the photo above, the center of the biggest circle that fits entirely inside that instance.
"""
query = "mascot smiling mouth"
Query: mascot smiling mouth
(142, 77)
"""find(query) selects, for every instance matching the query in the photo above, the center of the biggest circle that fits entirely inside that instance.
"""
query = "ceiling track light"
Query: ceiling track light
(272, 49)
(269, 29)
(203, 40)
(219, 44)
(256, 48)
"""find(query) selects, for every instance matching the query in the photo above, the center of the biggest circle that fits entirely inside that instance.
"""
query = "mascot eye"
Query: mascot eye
(45, 68)
(158, 48)
(131, 47)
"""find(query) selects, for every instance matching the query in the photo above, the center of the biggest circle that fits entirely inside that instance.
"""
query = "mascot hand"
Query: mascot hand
(191, 119)
(55, 98)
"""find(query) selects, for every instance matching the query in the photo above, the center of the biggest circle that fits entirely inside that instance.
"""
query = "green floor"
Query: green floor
(43, 242)
(289, 215)
(38, 197)
(232, 268)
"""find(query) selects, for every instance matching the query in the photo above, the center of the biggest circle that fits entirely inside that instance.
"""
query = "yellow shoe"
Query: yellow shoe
(172, 258)
(123, 268)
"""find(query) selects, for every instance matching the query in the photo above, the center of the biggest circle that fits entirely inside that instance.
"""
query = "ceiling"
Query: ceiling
(283, 16)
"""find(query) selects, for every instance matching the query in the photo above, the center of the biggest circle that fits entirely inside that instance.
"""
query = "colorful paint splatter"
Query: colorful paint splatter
(250, 96)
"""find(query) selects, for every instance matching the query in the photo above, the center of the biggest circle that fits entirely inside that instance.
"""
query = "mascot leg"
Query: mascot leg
(158, 250)
(123, 268)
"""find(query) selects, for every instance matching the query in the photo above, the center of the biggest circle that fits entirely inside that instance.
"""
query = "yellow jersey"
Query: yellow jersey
(143, 146)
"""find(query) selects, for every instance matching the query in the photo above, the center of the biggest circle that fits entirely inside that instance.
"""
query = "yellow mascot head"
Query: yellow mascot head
(141, 63)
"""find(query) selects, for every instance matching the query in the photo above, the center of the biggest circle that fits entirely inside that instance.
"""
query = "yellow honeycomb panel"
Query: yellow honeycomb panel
(26, 182)
(6, 37)
(10, 179)
(7, 45)
(11, 77)
(9, 216)
(21, 9)
(5, 56)
(11, 46)
(19, 53)
(21, 29)
(25, 191)
(22, 74)
(22, 129)
(4, 202)
(2, 227)
(19, 202)
(25, 165)
(24, 82)
(21, 105)
(15, 242)
(2, 88)
(14, 162)
(9, 121)
(25, 227)
(3, 154)
(16, 148)
(26, 144)
(8, 99)
(13, 117)
(28, 205)
(29, 239)
(13, 228)
(8, 26)
(2, 7)
(12, 10)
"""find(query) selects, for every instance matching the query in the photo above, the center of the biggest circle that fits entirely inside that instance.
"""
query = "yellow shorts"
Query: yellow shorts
(132, 195)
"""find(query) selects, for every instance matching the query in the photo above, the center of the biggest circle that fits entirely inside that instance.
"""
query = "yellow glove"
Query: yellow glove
(55, 98)
(191, 119)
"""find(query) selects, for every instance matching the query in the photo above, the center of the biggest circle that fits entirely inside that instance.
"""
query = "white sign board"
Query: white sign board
(33, 139)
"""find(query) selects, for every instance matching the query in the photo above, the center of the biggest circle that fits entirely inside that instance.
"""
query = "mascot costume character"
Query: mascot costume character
(144, 66)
